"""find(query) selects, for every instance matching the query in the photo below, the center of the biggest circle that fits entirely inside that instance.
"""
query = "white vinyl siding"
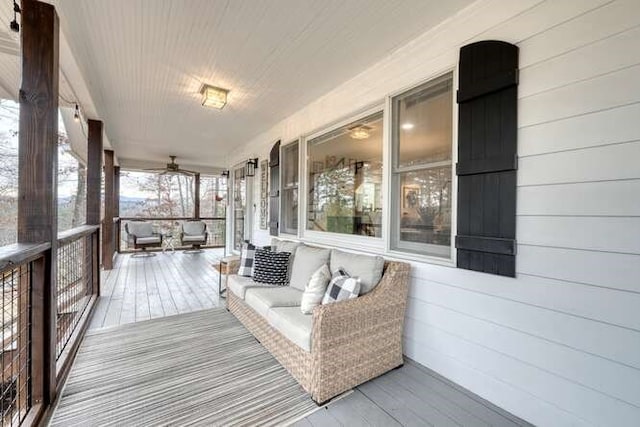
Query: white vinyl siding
(560, 344)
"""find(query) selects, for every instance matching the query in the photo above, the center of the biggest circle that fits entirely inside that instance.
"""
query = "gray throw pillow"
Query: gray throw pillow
(367, 267)
(307, 260)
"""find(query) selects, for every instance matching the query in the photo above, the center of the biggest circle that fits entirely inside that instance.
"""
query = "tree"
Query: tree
(9, 115)
(71, 177)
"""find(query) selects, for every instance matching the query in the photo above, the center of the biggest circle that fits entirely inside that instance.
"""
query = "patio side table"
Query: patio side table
(223, 268)
(168, 242)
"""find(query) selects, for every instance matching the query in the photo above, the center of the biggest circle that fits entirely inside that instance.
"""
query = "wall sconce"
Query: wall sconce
(225, 174)
(252, 165)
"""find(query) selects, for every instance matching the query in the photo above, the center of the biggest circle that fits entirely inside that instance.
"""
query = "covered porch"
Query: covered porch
(485, 149)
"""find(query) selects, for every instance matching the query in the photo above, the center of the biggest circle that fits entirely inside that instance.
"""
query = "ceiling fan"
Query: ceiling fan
(173, 168)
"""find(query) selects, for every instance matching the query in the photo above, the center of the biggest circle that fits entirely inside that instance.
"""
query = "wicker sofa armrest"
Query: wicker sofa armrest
(358, 315)
(356, 340)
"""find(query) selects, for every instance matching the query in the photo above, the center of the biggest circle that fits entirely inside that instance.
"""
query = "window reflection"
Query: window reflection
(422, 175)
(345, 179)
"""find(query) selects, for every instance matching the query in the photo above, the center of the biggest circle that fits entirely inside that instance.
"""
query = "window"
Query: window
(290, 188)
(213, 196)
(422, 173)
(213, 201)
(239, 206)
(345, 179)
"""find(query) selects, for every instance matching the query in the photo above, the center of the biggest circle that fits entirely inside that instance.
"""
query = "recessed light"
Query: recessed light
(407, 126)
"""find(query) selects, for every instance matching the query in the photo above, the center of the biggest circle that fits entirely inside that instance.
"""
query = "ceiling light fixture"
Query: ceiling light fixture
(214, 97)
(407, 126)
(76, 114)
(359, 132)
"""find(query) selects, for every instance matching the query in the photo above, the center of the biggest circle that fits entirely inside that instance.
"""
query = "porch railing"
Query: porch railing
(19, 267)
(77, 281)
(169, 227)
(24, 281)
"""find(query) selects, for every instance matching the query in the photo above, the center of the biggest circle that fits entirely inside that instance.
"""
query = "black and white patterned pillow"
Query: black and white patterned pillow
(270, 267)
(342, 287)
(247, 254)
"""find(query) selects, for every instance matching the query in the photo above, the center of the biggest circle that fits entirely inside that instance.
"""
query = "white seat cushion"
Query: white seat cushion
(294, 325)
(147, 240)
(186, 238)
(239, 285)
(367, 268)
(261, 299)
(307, 261)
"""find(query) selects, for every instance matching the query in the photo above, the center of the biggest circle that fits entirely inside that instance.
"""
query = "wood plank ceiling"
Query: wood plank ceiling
(145, 60)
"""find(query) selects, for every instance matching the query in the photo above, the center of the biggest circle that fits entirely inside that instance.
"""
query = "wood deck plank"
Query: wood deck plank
(172, 283)
(169, 283)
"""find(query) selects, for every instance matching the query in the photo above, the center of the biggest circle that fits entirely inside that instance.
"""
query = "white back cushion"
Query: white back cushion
(140, 228)
(193, 228)
(366, 267)
(307, 260)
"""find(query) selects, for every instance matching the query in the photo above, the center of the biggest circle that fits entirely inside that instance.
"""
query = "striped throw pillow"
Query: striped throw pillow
(270, 267)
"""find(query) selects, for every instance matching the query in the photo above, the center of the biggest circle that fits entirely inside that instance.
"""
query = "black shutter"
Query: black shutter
(274, 194)
(487, 157)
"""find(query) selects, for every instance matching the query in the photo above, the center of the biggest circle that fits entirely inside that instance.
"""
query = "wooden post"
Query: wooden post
(37, 182)
(196, 197)
(94, 187)
(116, 206)
(94, 171)
(107, 222)
(116, 191)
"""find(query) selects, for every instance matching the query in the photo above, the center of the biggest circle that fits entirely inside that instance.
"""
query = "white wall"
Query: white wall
(560, 344)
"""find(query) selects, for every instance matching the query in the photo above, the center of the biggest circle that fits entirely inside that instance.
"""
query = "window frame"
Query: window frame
(282, 229)
(367, 243)
(248, 213)
(409, 250)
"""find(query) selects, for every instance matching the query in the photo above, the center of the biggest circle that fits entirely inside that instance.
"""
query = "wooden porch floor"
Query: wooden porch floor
(144, 288)
(139, 289)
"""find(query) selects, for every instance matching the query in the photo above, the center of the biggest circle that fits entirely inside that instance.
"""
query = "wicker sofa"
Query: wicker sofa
(351, 341)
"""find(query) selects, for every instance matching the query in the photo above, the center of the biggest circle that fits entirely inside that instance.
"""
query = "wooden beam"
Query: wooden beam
(94, 171)
(196, 197)
(108, 244)
(37, 182)
(116, 191)
(116, 206)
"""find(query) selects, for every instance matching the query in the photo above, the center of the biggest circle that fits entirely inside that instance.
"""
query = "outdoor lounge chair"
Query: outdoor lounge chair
(143, 236)
(194, 234)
